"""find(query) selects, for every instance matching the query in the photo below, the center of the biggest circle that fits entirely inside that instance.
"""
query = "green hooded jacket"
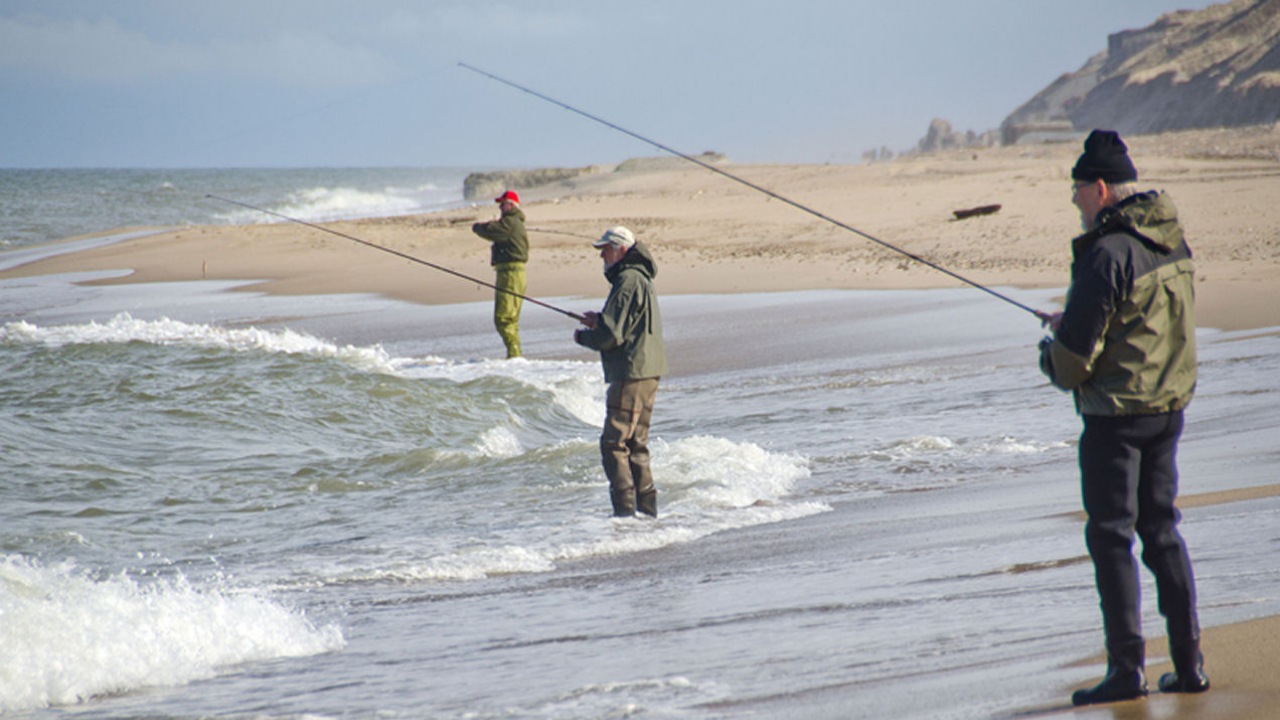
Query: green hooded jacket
(1126, 343)
(507, 233)
(628, 334)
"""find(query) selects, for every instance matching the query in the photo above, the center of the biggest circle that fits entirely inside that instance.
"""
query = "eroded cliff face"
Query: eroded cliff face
(486, 185)
(480, 186)
(1217, 67)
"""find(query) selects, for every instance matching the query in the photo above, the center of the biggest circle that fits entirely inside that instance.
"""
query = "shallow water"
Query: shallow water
(212, 512)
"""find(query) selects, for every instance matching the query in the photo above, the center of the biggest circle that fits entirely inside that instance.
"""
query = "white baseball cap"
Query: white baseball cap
(616, 235)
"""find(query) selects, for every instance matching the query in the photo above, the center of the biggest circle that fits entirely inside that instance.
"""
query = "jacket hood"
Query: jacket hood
(637, 258)
(1150, 216)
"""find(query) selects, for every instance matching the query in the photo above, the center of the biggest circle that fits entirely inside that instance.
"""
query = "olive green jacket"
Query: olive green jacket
(628, 333)
(1126, 343)
(507, 233)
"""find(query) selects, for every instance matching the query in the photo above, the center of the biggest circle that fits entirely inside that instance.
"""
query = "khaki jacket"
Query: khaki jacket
(507, 233)
(1126, 344)
(629, 332)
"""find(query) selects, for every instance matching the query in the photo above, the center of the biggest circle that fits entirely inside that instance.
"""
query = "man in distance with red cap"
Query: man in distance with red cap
(508, 255)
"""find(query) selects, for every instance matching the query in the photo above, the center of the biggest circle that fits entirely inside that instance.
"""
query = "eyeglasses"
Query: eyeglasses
(1078, 186)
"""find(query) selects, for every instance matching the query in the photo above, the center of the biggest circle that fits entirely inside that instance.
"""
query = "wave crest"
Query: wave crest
(69, 637)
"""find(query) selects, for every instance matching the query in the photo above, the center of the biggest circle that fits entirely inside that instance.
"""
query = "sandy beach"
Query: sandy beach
(712, 235)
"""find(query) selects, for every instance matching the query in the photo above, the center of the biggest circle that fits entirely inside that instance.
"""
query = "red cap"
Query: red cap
(508, 195)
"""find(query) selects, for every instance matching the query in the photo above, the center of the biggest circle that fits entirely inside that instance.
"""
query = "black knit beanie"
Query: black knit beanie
(1105, 158)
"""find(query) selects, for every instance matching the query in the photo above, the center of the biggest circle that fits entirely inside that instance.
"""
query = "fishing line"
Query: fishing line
(1040, 315)
(397, 253)
(561, 232)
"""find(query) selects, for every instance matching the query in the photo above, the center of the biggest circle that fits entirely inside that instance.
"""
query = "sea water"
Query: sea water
(39, 205)
(866, 509)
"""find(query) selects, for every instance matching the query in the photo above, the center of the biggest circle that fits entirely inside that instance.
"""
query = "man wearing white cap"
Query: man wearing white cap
(627, 332)
(508, 255)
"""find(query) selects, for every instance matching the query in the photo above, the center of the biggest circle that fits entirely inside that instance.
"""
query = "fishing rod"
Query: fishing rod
(1043, 317)
(406, 256)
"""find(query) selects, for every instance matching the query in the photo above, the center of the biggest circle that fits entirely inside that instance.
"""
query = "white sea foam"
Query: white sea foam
(321, 203)
(473, 562)
(706, 485)
(923, 444)
(1014, 446)
(924, 447)
(68, 636)
(575, 385)
(713, 472)
(499, 442)
(123, 328)
(324, 204)
(661, 697)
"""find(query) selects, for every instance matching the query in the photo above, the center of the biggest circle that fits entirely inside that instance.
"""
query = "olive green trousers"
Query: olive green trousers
(507, 301)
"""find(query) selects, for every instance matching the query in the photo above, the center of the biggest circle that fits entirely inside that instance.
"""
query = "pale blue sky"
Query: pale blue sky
(262, 83)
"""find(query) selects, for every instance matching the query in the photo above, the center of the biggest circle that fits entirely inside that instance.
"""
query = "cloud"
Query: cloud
(305, 59)
(105, 52)
(99, 51)
(478, 20)
(510, 21)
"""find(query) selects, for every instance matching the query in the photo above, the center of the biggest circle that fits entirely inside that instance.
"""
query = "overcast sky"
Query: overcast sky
(266, 83)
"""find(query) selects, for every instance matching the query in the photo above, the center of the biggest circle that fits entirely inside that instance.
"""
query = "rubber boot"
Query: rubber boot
(1188, 670)
(624, 503)
(1124, 679)
(647, 503)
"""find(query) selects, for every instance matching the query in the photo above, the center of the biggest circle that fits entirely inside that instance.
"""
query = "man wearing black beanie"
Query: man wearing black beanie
(1124, 345)
(1105, 158)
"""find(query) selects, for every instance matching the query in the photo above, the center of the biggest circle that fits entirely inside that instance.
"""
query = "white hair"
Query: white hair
(1123, 190)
